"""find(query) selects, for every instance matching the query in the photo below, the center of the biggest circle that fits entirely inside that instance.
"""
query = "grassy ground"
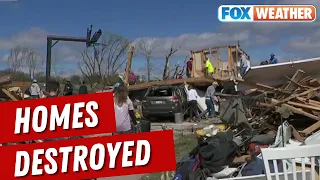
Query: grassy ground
(183, 145)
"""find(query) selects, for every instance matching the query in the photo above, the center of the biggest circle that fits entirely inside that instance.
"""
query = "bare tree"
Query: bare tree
(146, 47)
(31, 62)
(166, 66)
(108, 57)
(16, 57)
(54, 65)
(178, 69)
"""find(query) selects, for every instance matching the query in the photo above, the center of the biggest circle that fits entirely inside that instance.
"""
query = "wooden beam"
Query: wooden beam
(295, 110)
(314, 82)
(129, 62)
(311, 128)
(293, 96)
(293, 83)
(9, 95)
(304, 106)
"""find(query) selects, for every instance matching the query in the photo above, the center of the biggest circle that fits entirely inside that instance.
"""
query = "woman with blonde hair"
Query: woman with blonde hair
(124, 110)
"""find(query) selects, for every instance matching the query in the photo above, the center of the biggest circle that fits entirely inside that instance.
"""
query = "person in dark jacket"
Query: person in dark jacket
(53, 88)
(68, 88)
(189, 68)
(83, 88)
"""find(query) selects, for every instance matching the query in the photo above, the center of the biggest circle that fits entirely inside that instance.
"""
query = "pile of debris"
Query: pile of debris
(283, 116)
(299, 99)
(9, 92)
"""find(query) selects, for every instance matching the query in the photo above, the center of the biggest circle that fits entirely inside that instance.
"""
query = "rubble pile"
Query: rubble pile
(296, 100)
(266, 117)
(8, 93)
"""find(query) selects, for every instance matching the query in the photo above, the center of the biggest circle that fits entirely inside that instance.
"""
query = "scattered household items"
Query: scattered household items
(267, 123)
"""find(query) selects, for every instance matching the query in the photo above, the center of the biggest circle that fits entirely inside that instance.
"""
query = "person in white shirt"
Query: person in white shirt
(193, 105)
(245, 64)
(35, 91)
(124, 110)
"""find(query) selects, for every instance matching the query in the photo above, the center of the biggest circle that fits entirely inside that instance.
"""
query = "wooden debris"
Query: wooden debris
(298, 95)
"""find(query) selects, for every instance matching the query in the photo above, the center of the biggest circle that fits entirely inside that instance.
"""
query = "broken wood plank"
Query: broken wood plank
(296, 110)
(265, 87)
(314, 82)
(311, 128)
(304, 106)
(299, 95)
(6, 92)
(306, 79)
(293, 82)
(309, 101)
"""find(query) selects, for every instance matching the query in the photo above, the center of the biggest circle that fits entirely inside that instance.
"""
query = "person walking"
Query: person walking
(35, 90)
(124, 111)
(83, 89)
(193, 105)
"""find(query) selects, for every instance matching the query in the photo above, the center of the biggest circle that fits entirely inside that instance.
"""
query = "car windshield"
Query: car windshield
(160, 92)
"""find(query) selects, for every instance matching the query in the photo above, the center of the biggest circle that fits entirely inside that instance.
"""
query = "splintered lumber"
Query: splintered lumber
(304, 106)
(23, 85)
(299, 95)
(314, 82)
(6, 92)
(293, 83)
(265, 87)
(296, 110)
(306, 79)
(310, 101)
(311, 128)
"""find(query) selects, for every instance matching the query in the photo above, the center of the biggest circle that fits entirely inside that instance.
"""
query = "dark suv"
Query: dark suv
(164, 101)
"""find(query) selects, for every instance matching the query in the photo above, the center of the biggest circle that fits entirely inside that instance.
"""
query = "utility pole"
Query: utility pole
(88, 40)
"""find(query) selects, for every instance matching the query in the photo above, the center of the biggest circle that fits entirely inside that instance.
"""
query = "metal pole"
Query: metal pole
(48, 62)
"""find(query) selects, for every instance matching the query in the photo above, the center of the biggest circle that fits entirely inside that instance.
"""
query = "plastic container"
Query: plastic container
(178, 118)
(145, 125)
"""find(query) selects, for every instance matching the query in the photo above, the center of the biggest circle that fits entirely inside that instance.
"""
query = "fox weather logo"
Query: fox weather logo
(232, 13)
(267, 13)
